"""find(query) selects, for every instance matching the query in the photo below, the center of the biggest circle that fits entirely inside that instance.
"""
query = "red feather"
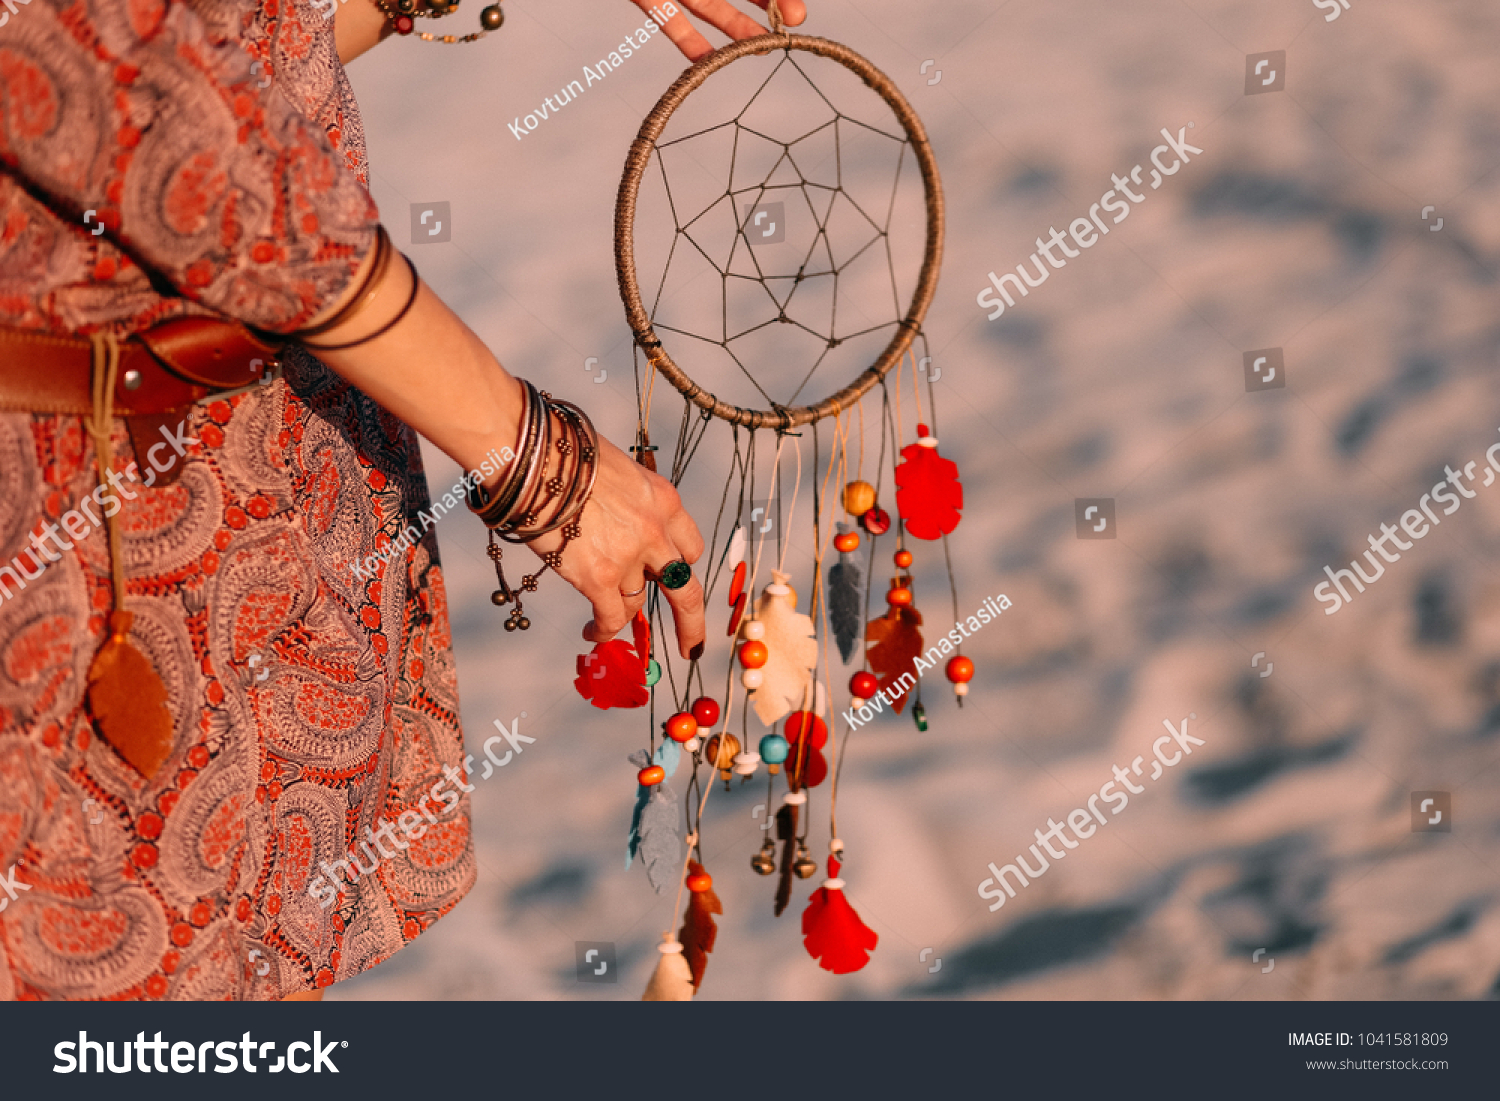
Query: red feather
(832, 931)
(928, 494)
(613, 674)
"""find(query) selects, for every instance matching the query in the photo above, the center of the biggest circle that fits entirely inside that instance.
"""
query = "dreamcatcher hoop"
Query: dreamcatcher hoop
(638, 160)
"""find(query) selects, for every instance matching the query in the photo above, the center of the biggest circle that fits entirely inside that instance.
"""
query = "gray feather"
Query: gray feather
(660, 847)
(845, 582)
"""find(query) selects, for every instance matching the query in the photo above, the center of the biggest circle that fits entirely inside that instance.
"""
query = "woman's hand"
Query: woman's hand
(720, 14)
(633, 522)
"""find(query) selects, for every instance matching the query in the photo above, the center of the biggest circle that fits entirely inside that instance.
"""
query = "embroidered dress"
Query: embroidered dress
(311, 818)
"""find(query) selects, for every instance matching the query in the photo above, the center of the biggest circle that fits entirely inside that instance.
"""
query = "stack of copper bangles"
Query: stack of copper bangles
(515, 506)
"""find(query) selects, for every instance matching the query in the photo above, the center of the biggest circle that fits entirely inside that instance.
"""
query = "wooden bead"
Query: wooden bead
(700, 882)
(650, 776)
(721, 751)
(846, 542)
(754, 630)
(959, 669)
(903, 558)
(877, 521)
(682, 726)
(899, 597)
(752, 679)
(864, 684)
(859, 498)
(754, 654)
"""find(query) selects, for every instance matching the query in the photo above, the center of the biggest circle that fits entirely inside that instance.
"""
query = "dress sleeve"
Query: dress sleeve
(189, 155)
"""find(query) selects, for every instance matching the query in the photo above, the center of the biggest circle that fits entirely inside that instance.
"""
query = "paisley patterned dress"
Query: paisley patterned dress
(218, 143)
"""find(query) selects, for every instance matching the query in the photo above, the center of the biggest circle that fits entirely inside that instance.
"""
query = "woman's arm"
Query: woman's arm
(435, 374)
(361, 25)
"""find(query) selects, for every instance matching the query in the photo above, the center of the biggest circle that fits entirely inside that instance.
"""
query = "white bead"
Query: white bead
(834, 884)
(745, 769)
(961, 689)
(754, 630)
(691, 745)
(750, 758)
(794, 798)
(777, 589)
(856, 703)
(667, 948)
(752, 678)
(927, 441)
(835, 846)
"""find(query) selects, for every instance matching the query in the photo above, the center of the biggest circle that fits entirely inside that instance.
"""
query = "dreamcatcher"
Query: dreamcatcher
(788, 240)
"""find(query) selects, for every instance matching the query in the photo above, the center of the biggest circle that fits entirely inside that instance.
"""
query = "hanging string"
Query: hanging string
(106, 367)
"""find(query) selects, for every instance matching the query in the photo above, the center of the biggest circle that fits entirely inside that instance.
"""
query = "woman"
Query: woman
(230, 757)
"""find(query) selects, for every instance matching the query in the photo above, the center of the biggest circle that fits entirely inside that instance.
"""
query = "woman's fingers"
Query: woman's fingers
(610, 614)
(722, 15)
(687, 614)
(793, 12)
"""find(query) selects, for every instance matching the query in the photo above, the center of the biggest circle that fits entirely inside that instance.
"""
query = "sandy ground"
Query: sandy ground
(1300, 226)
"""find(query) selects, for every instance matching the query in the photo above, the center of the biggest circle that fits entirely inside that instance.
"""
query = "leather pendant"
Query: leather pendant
(128, 700)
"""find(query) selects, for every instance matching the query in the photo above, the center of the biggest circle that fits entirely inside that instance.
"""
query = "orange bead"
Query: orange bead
(754, 654)
(681, 726)
(846, 541)
(859, 498)
(650, 776)
(700, 882)
(903, 558)
(898, 597)
(960, 669)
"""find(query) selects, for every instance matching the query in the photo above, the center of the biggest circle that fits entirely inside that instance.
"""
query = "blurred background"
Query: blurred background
(1347, 213)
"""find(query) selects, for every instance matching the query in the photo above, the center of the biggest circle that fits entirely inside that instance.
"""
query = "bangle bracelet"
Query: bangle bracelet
(367, 289)
(416, 285)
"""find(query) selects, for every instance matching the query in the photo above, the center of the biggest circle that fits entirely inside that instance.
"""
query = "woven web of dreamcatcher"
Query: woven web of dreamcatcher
(804, 293)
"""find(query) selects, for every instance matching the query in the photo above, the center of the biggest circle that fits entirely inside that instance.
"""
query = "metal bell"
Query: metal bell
(764, 862)
(499, 598)
(805, 866)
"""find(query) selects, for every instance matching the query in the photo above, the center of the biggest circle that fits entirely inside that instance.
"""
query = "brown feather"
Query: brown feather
(786, 831)
(897, 643)
(128, 700)
(698, 929)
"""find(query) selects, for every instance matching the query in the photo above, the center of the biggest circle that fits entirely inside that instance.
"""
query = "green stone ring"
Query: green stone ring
(674, 575)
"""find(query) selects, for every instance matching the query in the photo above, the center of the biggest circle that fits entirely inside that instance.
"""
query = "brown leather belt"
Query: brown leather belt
(161, 370)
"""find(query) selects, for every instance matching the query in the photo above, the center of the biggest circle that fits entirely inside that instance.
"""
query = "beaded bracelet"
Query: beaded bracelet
(514, 512)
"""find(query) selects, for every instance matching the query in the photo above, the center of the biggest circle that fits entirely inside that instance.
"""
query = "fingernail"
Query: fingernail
(696, 652)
